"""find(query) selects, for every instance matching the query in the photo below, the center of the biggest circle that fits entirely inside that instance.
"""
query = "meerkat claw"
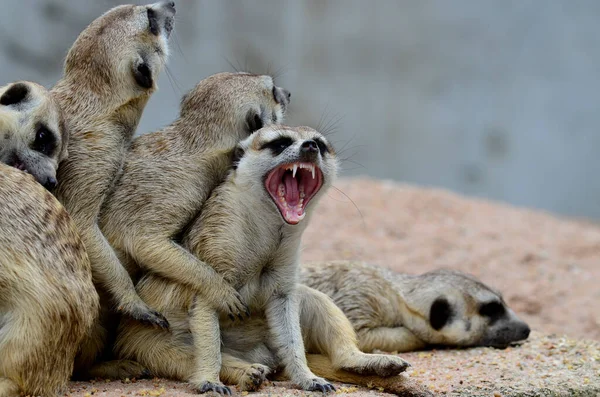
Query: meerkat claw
(209, 386)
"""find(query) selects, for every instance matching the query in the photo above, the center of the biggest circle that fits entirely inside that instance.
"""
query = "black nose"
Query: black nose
(525, 331)
(309, 147)
(50, 183)
(169, 4)
(287, 94)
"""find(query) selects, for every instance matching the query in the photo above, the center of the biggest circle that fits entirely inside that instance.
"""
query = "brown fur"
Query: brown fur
(110, 73)
(392, 311)
(243, 237)
(47, 300)
(169, 174)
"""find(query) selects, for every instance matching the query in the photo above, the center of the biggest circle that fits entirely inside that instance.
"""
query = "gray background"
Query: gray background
(490, 98)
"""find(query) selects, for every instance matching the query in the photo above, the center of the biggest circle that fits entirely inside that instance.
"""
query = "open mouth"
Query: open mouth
(292, 186)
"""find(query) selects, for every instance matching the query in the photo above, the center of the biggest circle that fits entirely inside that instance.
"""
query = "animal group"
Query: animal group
(176, 253)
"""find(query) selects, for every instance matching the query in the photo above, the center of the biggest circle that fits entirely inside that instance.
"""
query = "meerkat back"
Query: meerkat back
(48, 302)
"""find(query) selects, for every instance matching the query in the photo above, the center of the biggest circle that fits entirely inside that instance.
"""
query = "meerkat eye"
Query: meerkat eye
(44, 141)
(322, 146)
(493, 310)
(278, 145)
(153, 22)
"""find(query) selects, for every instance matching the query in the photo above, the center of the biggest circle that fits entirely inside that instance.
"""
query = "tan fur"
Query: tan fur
(169, 174)
(392, 312)
(47, 300)
(33, 137)
(110, 73)
(242, 235)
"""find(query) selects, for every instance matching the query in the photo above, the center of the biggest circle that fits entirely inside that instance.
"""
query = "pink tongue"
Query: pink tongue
(291, 189)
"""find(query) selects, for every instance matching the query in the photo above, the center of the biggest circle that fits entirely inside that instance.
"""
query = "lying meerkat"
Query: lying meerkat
(33, 137)
(48, 302)
(110, 73)
(249, 231)
(169, 174)
(399, 312)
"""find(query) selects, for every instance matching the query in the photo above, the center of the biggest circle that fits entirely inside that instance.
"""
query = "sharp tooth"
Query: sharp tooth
(294, 170)
(300, 217)
(313, 171)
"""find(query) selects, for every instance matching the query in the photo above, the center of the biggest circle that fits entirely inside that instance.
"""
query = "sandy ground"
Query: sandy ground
(548, 269)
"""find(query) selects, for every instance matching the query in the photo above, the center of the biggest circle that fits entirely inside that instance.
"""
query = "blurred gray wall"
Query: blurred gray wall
(485, 97)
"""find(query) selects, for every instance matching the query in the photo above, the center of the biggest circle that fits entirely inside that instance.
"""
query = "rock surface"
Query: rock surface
(548, 269)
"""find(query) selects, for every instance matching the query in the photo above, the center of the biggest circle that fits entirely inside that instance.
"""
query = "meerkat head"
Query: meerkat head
(32, 134)
(235, 104)
(290, 167)
(454, 308)
(121, 53)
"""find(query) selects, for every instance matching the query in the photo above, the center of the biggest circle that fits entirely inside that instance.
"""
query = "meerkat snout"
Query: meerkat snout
(160, 16)
(32, 133)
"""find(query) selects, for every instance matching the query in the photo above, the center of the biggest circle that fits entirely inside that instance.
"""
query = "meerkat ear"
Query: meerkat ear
(15, 94)
(254, 121)
(143, 75)
(237, 155)
(440, 313)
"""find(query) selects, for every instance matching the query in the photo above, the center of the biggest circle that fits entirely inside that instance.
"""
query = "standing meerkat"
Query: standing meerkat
(33, 137)
(110, 73)
(249, 231)
(169, 174)
(48, 302)
(399, 312)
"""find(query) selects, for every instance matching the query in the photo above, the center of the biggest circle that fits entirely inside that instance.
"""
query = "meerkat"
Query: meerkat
(399, 312)
(169, 174)
(249, 231)
(33, 137)
(48, 302)
(110, 73)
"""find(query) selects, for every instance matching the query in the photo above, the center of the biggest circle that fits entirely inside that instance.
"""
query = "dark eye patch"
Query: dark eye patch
(322, 146)
(45, 141)
(278, 145)
(493, 310)
(440, 313)
(153, 22)
(15, 94)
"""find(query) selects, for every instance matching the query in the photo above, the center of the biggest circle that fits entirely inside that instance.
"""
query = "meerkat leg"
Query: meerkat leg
(108, 271)
(326, 330)
(8, 388)
(248, 376)
(206, 336)
(397, 339)
(283, 319)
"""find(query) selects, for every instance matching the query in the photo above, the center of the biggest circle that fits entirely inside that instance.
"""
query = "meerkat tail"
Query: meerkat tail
(398, 385)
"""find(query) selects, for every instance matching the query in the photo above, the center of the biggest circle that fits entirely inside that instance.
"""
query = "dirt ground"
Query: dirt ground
(547, 268)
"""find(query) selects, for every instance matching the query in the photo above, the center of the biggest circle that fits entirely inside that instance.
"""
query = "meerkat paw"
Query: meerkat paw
(141, 312)
(254, 377)
(317, 384)
(229, 302)
(377, 364)
(216, 387)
